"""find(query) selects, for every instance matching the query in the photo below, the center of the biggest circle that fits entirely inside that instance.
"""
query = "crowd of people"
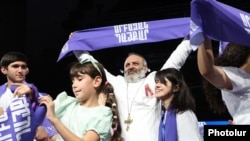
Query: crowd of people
(138, 106)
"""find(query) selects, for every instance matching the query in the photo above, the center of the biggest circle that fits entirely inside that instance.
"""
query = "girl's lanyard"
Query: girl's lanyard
(163, 118)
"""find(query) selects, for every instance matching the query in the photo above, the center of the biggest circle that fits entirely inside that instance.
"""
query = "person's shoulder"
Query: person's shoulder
(235, 71)
(3, 85)
(64, 97)
(150, 74)
(3, 88)
(188, 115)
(187, 118)
(105, 110)
(187, 112)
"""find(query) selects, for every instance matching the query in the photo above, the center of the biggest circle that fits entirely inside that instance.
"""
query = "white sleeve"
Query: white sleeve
(187, 127)
(179, 55)
(110, 77)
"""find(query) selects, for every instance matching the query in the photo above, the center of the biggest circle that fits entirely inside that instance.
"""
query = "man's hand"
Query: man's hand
(41, 134)
(20, 89)
(1, 111)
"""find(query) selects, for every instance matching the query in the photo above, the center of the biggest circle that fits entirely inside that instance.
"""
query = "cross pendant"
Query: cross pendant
(128, 122)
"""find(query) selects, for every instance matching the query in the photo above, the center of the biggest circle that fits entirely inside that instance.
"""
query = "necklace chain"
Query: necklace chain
(129, 120)
(132, 101)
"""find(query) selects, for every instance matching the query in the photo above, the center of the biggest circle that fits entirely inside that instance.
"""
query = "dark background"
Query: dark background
(39, 28)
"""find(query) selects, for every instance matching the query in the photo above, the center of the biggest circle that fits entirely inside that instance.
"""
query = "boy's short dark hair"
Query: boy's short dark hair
(11, 57)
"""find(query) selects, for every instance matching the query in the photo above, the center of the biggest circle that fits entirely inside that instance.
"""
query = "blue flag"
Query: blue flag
(218, 21)
(22, 117)
(126, 34)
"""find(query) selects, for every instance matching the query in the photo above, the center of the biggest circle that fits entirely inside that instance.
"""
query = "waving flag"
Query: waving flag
(126, 34)
(22, 117)
(219, 22)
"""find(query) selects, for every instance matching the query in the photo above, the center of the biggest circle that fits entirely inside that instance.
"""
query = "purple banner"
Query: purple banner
(219, 22)
(16, 122)
(126, 34)
(21, 118)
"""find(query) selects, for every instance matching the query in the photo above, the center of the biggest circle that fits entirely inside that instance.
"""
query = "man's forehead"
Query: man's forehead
(18, 63)
(134, 58)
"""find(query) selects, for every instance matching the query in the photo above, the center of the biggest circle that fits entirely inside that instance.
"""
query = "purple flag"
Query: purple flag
(48, 126)
(219, 22)
(22, 117)
(126, 34)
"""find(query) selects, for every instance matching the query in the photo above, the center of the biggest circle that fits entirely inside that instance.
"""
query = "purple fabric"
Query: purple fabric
(21, 118)
(222, 46)
(220, 21)
(170, 127)
(48, 126)
(196, 33)
(126, 34)
(13, 88)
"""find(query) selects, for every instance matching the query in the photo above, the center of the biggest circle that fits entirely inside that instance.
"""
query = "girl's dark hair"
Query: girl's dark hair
(11, 57)
(183, 99)
(234, 55)
(112, 103)
(94, 70)
(91, 69)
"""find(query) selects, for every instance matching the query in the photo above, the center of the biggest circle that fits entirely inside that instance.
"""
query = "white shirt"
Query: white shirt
(6, 98)
(237, 100)
(187, 127)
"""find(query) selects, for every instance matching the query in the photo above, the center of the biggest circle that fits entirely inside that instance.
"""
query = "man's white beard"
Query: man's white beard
(136, 77)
